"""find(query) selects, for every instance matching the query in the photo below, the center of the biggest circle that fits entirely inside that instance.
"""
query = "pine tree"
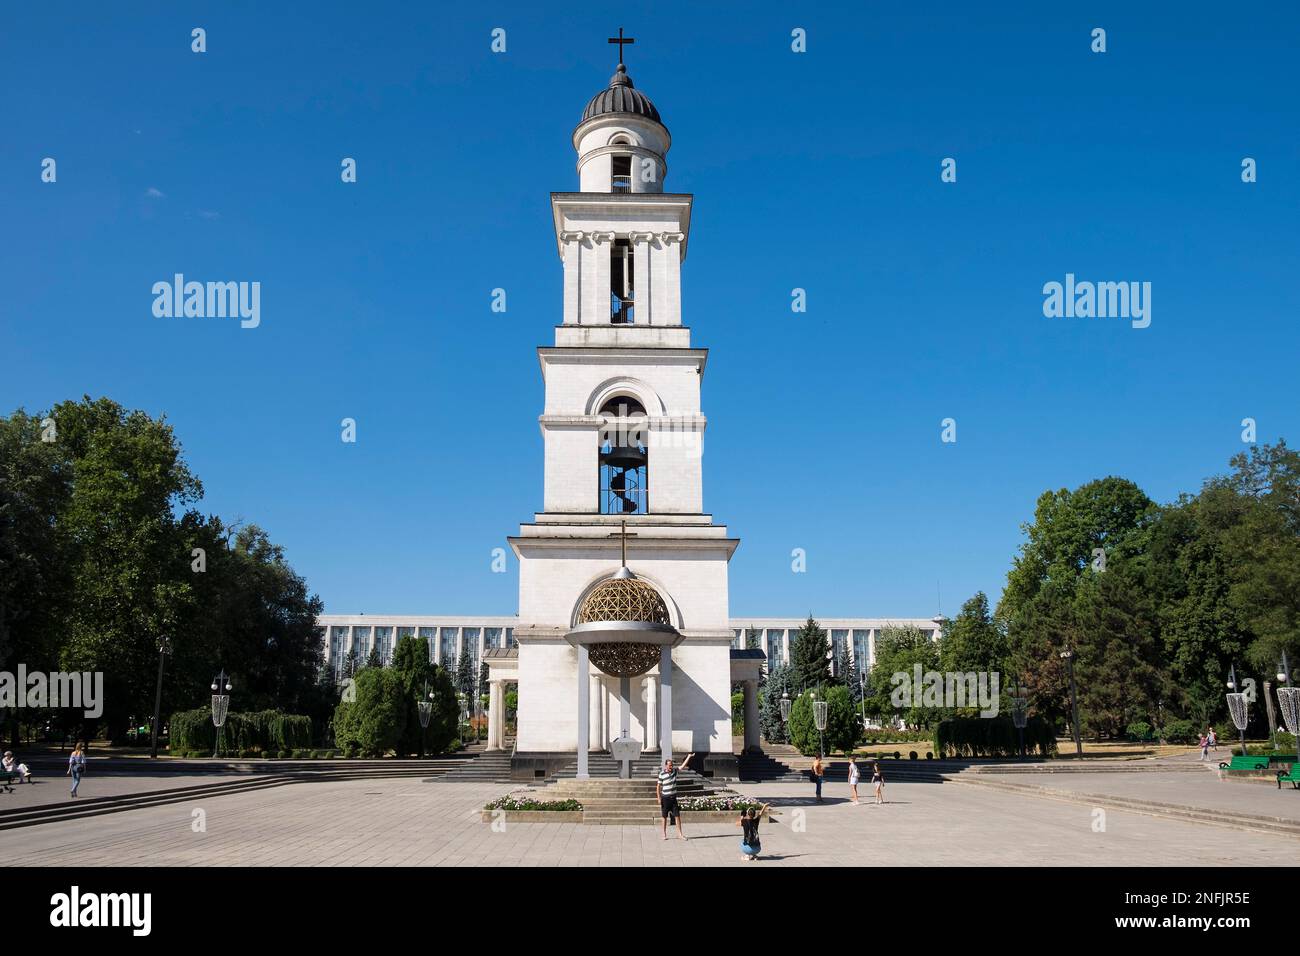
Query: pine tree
(373, 659)
(809, 657)
(778, 682)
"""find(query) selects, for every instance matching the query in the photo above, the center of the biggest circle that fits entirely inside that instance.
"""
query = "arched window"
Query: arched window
(624, 458)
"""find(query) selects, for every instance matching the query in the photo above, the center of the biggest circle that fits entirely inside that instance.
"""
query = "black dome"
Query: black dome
(621, 97)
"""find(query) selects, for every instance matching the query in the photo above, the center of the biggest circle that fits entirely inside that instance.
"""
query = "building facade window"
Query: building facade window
(510, 638)
(447, 648)
(493, 638)
(861, 652)
(361, 643)
(384, 644)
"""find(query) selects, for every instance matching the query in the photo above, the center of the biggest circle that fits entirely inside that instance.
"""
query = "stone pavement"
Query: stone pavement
(407, 822)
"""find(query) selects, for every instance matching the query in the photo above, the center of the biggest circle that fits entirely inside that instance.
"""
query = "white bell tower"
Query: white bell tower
(623, 433)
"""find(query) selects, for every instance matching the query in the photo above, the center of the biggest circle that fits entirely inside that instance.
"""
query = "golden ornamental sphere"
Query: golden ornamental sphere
(624, 599)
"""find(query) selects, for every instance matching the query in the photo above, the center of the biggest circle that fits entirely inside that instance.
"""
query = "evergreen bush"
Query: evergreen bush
(992, 737)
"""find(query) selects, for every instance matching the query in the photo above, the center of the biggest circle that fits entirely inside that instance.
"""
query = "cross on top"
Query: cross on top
(620, 40)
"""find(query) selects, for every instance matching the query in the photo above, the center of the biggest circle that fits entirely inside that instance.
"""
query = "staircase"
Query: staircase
(610, 801)
(481, 766)
(783, 763)
(647, 766)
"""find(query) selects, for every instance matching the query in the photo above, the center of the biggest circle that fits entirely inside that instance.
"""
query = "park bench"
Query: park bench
(1248, 762)
(7, 778)
(1292, 777)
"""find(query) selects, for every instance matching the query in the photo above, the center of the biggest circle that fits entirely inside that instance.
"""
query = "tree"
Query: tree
(802, 725)
(843, 723)
(373, 659)
(753, 639)
(373, 724)
(972, 641)
(898, 651)
(779, 681)
(809, 656)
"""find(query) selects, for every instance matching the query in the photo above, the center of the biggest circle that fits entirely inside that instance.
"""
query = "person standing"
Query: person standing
(1204, 744)
(666, 791)
(818, 772)
(878, 781)
(853, 777)
(76, 767)
(1214, 740)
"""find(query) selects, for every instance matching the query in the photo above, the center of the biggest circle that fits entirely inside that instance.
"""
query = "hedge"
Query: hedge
(991, 737)
(262, 730)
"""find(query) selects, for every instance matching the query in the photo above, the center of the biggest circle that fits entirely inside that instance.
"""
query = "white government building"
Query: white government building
(620, 633)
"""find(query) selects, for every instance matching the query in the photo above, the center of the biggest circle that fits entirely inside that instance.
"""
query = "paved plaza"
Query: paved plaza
(413, 823)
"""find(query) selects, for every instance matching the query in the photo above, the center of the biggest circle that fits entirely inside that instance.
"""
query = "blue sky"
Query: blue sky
(817, 170)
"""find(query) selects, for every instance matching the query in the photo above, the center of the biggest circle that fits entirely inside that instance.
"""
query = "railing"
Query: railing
(621, 184)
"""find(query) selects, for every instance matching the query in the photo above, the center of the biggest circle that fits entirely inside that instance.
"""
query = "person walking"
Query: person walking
(76, 767)
(878, 781)
(750, 845)
(818, 772)
(1214, 740)
(853, 778)
(666, 791)
(1204, 744)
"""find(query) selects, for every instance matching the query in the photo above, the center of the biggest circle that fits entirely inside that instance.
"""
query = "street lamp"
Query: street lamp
(1067, 655)
(220, 706)
(1019, 712)
(164, 648)
(1288, 698)
(1237, 707)
(425, 707)
(819, 718)
(785, 715)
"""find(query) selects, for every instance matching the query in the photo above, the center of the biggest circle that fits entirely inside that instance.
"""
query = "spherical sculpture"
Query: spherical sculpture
(624, 659)
(624, 599)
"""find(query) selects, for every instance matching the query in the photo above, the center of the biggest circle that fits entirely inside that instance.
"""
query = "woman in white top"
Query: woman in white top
(853, 777)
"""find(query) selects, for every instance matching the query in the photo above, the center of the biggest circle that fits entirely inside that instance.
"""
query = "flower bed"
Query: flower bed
(729, 804)
(557, 806)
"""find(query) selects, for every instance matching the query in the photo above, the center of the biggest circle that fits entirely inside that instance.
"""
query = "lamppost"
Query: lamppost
(220, 705)
(425, 707)
(1237, 707)
(464, 716)
(164, 648)
(819, 718)
(1019, 712)
(1288, 698)
(785, 714)
(1067, 655)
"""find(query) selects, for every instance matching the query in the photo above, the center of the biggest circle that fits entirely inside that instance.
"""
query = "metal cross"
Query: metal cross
(623, 535)
(620, 40)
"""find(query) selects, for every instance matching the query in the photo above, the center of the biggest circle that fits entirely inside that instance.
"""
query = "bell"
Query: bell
(618, 481)
(624, 456)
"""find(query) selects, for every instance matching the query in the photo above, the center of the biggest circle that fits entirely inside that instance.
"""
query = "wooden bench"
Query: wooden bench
(1292, 777)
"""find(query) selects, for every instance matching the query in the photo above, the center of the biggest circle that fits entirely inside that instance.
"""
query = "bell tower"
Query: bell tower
(622, 432)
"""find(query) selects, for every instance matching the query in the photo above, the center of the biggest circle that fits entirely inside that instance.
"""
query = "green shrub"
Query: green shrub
(991, 737)
(1181, 732)
(1139, 730)
(303, 754)
(286, 754)
(254, 730)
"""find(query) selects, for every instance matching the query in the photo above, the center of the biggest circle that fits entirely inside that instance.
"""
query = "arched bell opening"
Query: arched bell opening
(624, 458)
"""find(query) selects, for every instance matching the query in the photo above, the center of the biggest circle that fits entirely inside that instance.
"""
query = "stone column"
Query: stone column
(602, 695)
(494, 718)
(644, 307)
(584, 708)
(751, 716)
(651, 717)
(665, 702)
(593, 738)
(624, 706)
(572, 242)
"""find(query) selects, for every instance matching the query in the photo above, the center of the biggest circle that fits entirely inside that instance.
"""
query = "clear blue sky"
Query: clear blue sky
(816, 170)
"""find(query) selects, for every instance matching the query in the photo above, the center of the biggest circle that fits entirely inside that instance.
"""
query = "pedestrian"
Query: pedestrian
(750, 844)
(853, 777)
(1204, 744)
(878, 781)
(1214, 740)
(76, 767)
(818, 772)
(11, 765)
(666, 791)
